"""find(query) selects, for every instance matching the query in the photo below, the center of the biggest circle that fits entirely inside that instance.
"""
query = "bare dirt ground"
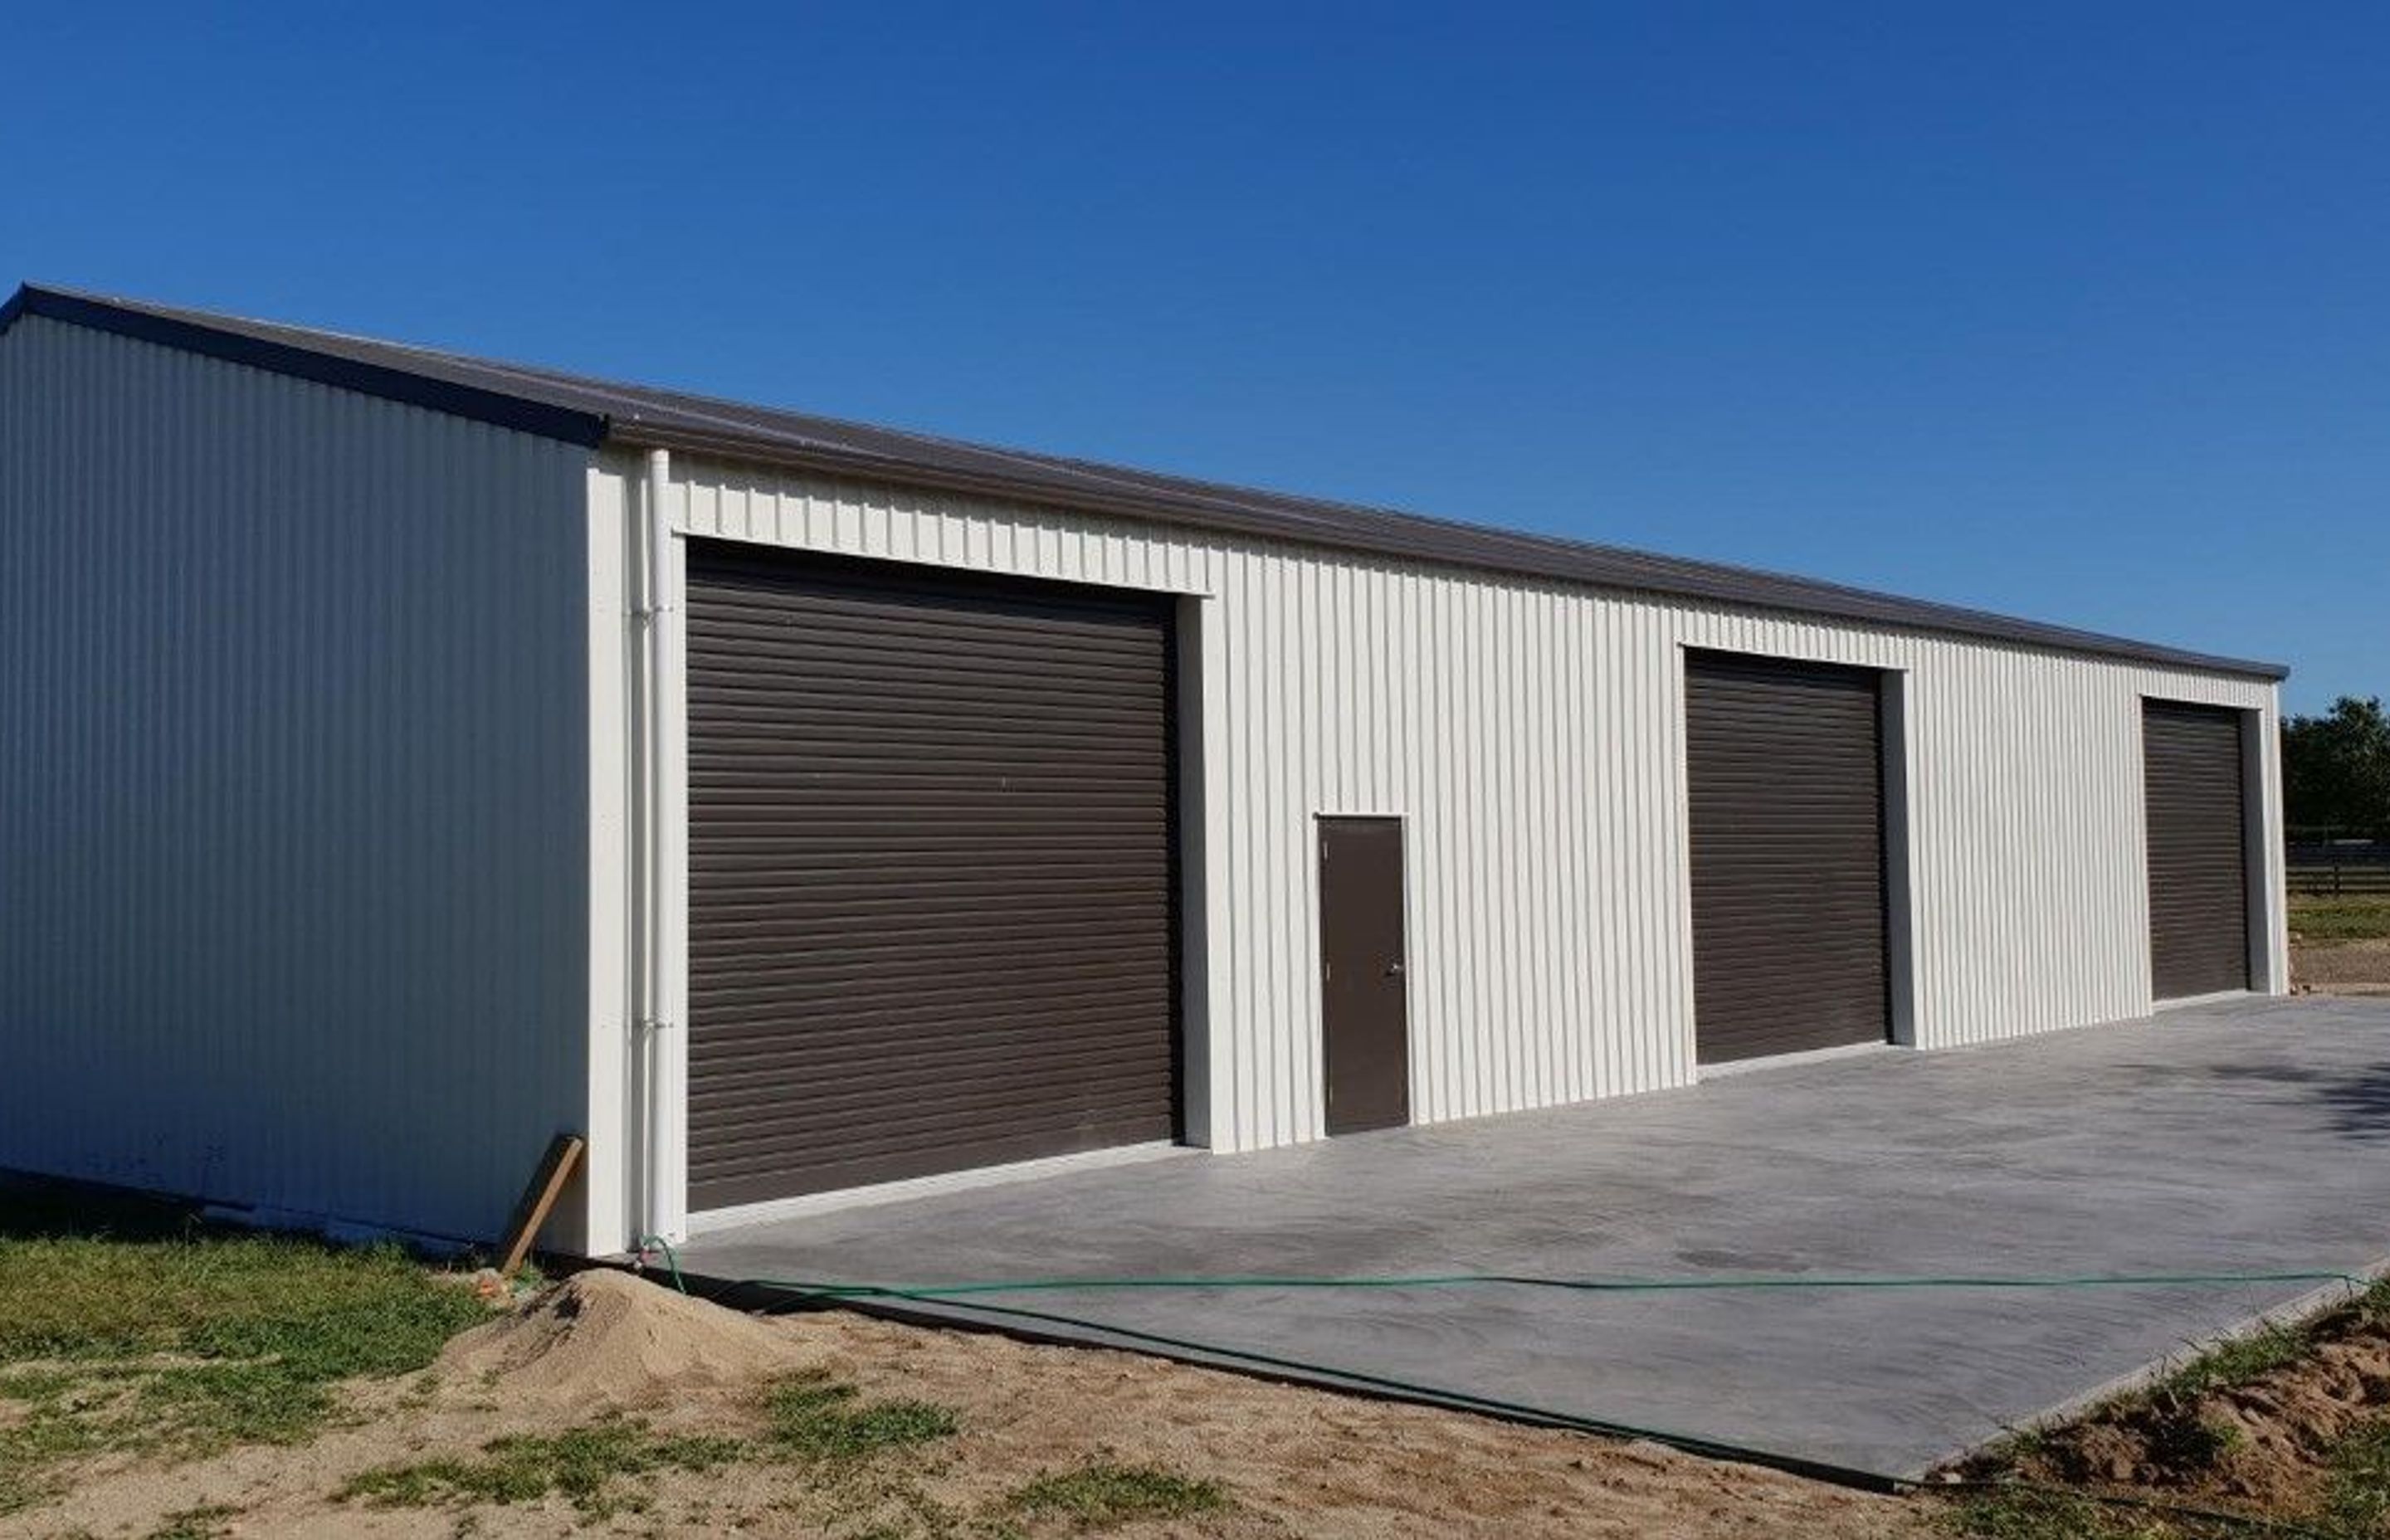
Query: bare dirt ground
(2340, 945)
(1285, 1460)
(2285, 1429)
(2342, 968)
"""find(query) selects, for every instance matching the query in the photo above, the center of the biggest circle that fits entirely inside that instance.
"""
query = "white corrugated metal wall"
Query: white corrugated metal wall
(1531, 735)
(293, 688)
(316, 794)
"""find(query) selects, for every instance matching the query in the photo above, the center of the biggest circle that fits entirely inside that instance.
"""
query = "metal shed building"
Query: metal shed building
(407, 757)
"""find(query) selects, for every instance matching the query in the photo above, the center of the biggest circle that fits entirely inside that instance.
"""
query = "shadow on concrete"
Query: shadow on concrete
(2359, 1103)
(2358, 1098)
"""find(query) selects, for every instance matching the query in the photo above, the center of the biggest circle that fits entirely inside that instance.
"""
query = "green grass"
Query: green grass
(815, 1418)
(2355, 1503)
(206, 1522)
(2272, 1346)
(125, 1326)
(1101, 1494)
(2232, 1363)
(57, 1425)
(2356, 1498)
(2340, 918)
(2029, 1514)
(2023, 1515)
(600, 1470)
(603, 1468)
(2358, 1508)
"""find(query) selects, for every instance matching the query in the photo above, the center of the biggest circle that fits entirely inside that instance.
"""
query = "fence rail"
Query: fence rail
(2342, 870)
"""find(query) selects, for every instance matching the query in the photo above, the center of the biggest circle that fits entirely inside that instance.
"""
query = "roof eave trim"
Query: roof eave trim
(584, 428)
(591, 429)
(633, 434)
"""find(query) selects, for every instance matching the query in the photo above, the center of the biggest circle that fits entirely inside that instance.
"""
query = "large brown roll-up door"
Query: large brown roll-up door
(1786, 788)
(932, 919)
(2199, 892)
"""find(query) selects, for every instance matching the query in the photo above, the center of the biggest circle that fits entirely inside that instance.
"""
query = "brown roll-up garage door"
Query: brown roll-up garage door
(1785, 763)
(2199, 892)
(930, 873)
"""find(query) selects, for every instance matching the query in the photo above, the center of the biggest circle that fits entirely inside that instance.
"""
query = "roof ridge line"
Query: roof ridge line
(591, 412)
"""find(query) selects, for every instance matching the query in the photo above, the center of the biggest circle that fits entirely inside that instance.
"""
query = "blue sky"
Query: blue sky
(2081, 313)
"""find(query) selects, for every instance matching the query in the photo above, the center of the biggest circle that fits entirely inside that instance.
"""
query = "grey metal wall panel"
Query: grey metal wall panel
(931, 919)
(1784, 767)
(293, 818)
(2199, 883)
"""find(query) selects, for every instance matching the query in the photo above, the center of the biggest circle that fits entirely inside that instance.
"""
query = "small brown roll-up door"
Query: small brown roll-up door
(2198, 879)
(1785, 767)
(932, 916)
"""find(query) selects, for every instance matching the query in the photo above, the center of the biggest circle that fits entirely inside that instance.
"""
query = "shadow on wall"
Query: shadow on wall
(40, 1208)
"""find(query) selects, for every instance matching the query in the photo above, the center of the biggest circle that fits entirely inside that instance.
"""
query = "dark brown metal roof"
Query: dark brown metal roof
(594, 412)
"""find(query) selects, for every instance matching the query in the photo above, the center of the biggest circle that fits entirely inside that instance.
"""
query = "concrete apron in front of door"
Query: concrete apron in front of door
(2249, 1136)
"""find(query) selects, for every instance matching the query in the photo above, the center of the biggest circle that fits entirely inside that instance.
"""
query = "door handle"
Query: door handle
(1395, 968)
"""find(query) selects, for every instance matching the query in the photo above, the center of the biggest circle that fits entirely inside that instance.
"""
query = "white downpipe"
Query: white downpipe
(660, 1202)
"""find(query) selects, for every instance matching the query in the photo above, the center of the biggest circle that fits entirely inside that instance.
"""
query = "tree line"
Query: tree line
(2336, 771)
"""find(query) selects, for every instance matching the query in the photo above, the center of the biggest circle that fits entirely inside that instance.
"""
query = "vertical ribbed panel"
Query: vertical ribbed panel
(294, 848)
(312, 786)
(1532, 737)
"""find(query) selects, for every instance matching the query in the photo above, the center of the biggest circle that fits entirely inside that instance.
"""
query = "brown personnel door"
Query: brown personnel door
(1363, 994)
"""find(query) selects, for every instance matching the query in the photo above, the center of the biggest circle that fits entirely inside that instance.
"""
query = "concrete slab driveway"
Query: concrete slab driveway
(2244, 1137)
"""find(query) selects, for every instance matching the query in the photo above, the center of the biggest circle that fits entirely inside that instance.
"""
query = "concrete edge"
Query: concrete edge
(749, 1295)
(960, 1316)
(2297, 1308)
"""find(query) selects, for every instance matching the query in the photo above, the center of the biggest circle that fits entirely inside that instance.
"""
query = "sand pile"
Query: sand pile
(604, 1338)
(1290, 1460)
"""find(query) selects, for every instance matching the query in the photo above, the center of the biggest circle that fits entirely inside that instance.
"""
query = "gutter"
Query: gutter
(1441, 542)
(594, 413)
(658, 1051)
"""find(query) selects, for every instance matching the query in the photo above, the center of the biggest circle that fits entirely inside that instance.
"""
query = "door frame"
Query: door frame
(661, 1154)
(2264, 907)
(1895, 835)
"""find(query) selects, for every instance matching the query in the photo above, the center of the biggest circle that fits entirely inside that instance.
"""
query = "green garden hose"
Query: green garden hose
(1591, 1286)
(829, 1289)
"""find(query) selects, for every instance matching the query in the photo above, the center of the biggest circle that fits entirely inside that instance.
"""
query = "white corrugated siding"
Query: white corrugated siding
(1531, 735)
(295, 903)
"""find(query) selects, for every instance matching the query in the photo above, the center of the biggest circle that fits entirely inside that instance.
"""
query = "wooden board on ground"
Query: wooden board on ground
(555, 1168)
